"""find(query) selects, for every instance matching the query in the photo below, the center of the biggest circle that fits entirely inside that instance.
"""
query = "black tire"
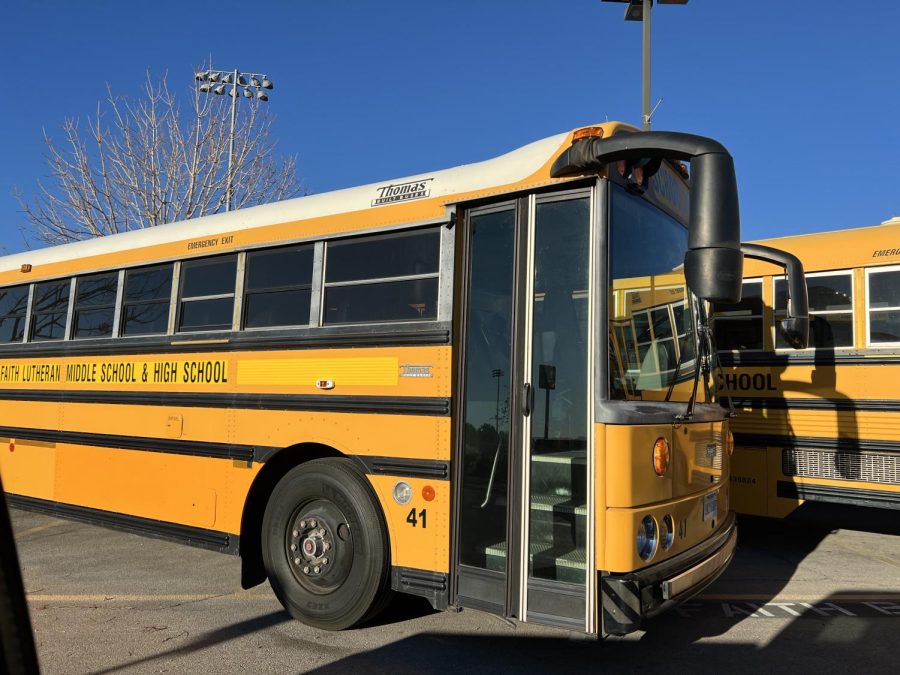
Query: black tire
(338, 572)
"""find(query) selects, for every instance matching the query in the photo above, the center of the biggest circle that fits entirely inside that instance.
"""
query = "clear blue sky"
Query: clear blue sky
(804, 94)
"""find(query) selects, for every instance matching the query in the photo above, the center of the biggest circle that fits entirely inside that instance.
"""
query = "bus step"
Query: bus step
(559, 563)
(557, 521)
(495, 557)
(560, 474)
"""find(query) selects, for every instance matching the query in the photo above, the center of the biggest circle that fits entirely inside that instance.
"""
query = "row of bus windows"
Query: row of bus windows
(831, 295)
(392, 277)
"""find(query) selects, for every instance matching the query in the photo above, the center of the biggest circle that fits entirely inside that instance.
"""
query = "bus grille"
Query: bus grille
(870, 467)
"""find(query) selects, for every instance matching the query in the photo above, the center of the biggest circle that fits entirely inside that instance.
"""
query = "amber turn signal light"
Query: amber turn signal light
(661, 456)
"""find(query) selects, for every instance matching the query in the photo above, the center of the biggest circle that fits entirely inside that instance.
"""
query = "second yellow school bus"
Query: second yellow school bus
(819, 424)
(403, 386)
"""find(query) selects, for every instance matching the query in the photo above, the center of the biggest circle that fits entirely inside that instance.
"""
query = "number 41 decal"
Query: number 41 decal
(413, 519)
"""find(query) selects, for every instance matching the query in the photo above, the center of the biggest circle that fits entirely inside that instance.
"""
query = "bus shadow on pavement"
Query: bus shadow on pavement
(401, 608)
(811, 642)
(719, 628)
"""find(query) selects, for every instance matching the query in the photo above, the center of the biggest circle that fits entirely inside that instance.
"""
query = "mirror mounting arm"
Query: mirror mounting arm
(795, 328)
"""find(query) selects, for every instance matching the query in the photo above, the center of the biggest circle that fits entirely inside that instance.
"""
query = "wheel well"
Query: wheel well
(252, 570)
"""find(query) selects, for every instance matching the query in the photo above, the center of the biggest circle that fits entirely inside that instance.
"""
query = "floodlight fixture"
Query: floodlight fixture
(232, 79)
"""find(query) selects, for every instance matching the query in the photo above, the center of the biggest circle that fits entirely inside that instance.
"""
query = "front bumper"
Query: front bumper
(627, 599)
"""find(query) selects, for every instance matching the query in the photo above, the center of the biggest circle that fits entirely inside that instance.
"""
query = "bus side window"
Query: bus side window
(392, 277)
(95, 305)
(883, 312)
(739, 326)
(207, 293)
(830, 309)
(48, 312)
(278, 287)
(13, 307)
(147, 299)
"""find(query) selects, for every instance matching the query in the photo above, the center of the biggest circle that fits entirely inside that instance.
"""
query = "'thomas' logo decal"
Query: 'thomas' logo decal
(401, 192)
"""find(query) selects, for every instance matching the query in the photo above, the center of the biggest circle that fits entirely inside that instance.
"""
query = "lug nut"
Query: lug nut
(312, 523)
(324, 561)
(316, 569)
(296, 561)
(306, 570)
(302, 523)
(293, 547)
(295, 534)
(327, 546)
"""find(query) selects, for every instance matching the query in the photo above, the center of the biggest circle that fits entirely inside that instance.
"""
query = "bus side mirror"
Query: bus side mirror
(714, 263)
(715, 274)
(795, 331)
(795, 328)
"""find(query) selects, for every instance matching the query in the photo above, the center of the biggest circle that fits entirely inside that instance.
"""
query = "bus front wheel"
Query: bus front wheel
(325, 545)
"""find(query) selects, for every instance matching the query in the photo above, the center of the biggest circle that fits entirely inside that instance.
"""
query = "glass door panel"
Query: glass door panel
(483, 497)
(524, 426)
(559, 431)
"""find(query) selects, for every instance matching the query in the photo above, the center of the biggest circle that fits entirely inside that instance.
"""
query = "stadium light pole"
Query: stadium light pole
(640, 10)
(253, 86)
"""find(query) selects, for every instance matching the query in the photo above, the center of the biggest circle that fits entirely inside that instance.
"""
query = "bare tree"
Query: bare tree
(141, 163)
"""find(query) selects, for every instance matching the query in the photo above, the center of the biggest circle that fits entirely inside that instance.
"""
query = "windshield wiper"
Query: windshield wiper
(703, 346)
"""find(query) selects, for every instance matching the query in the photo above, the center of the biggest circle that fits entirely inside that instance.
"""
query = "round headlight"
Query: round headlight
(647, 538)
(402, 492)
(666, 532)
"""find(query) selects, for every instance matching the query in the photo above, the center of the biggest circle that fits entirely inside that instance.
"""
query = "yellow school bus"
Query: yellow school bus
(820, 424)
(406, 386)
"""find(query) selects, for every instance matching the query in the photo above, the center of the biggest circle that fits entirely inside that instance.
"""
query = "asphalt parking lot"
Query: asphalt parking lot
(820, 593)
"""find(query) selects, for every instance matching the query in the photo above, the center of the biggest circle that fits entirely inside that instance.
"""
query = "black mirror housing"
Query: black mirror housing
(715, 274)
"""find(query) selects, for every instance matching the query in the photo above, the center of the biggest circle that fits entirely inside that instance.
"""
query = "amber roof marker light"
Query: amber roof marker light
(587, 132)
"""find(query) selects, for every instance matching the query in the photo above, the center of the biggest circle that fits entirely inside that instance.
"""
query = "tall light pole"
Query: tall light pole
(640, 10)
(253, 86)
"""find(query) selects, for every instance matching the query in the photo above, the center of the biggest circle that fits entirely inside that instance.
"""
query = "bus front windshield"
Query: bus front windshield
(652, 348)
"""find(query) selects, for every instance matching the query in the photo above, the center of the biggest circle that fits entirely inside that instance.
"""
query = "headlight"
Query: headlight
(647, 538)
(666, 532)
